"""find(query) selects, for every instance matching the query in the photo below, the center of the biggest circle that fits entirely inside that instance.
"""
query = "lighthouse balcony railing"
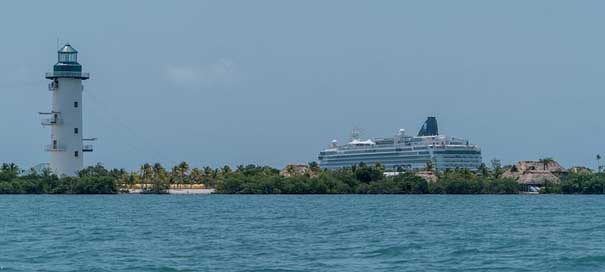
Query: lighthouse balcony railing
(54, 148)
(51, 121)
(53, 86)
(69, 74)
(87, 148)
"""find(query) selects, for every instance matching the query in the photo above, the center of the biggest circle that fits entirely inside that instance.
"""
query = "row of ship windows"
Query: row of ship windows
(409, 166)
(401, 156)
(395, 159)
(377, 153)
(348, 164)
(362, 150)
(454, 157)
(474, 152)
(423, 162)
(458, 162)
(388, 161)
(452, 161)
(398, 150)
(378, 149)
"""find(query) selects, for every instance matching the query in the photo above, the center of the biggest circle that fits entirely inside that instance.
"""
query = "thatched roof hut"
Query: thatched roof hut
(535, 172)
(537, 178)
(429, 176)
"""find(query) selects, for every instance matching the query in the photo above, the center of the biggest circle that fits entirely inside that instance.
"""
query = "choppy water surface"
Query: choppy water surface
(302, 233)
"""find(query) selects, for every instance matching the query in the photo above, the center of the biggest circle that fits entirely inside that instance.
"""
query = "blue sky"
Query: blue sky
(273, 82)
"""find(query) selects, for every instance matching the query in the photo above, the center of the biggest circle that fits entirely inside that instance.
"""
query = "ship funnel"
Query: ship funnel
(429, 128)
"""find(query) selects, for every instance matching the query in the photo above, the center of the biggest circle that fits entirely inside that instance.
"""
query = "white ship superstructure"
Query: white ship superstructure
(404, 151)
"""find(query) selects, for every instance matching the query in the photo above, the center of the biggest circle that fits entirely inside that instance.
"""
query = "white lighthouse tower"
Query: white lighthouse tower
(66, 145)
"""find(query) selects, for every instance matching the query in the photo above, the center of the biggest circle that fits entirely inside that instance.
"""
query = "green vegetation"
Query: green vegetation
(363, 179)
(13, 181)
(578, 183)
(252, 179)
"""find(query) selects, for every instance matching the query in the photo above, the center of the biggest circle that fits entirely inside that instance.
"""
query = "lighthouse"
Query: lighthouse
(66, 145)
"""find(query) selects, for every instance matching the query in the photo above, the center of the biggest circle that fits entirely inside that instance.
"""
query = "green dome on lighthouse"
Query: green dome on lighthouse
(67, 60)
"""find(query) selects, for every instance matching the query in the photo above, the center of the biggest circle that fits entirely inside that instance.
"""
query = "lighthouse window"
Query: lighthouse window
(76, 153)
(75, 130)
(75, 104)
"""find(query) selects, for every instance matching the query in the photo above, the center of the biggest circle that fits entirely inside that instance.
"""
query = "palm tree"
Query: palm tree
(429, 166)
(184, 169)
(46, 172)
(158, 170)
(497, 167)
(196, 175)
(207, 171)
(160, 178)
(146, 175)
(379, 166)
(226, 170)
(10, 169)
(179, 173)
(175, 175)
(546, 162)
(134, 178)
(123, 180)
(483, 170)
(314, 166)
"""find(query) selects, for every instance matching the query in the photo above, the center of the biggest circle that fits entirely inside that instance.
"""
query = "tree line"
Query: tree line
(253, 179)
(364, 179)
(15, 181)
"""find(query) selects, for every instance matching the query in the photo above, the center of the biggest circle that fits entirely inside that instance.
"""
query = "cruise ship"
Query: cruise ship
(404, 152)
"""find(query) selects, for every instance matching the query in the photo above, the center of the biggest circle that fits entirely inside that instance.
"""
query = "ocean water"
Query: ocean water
(302, 233)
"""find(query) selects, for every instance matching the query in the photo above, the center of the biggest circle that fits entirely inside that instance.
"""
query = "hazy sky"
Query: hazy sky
(273, 82)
